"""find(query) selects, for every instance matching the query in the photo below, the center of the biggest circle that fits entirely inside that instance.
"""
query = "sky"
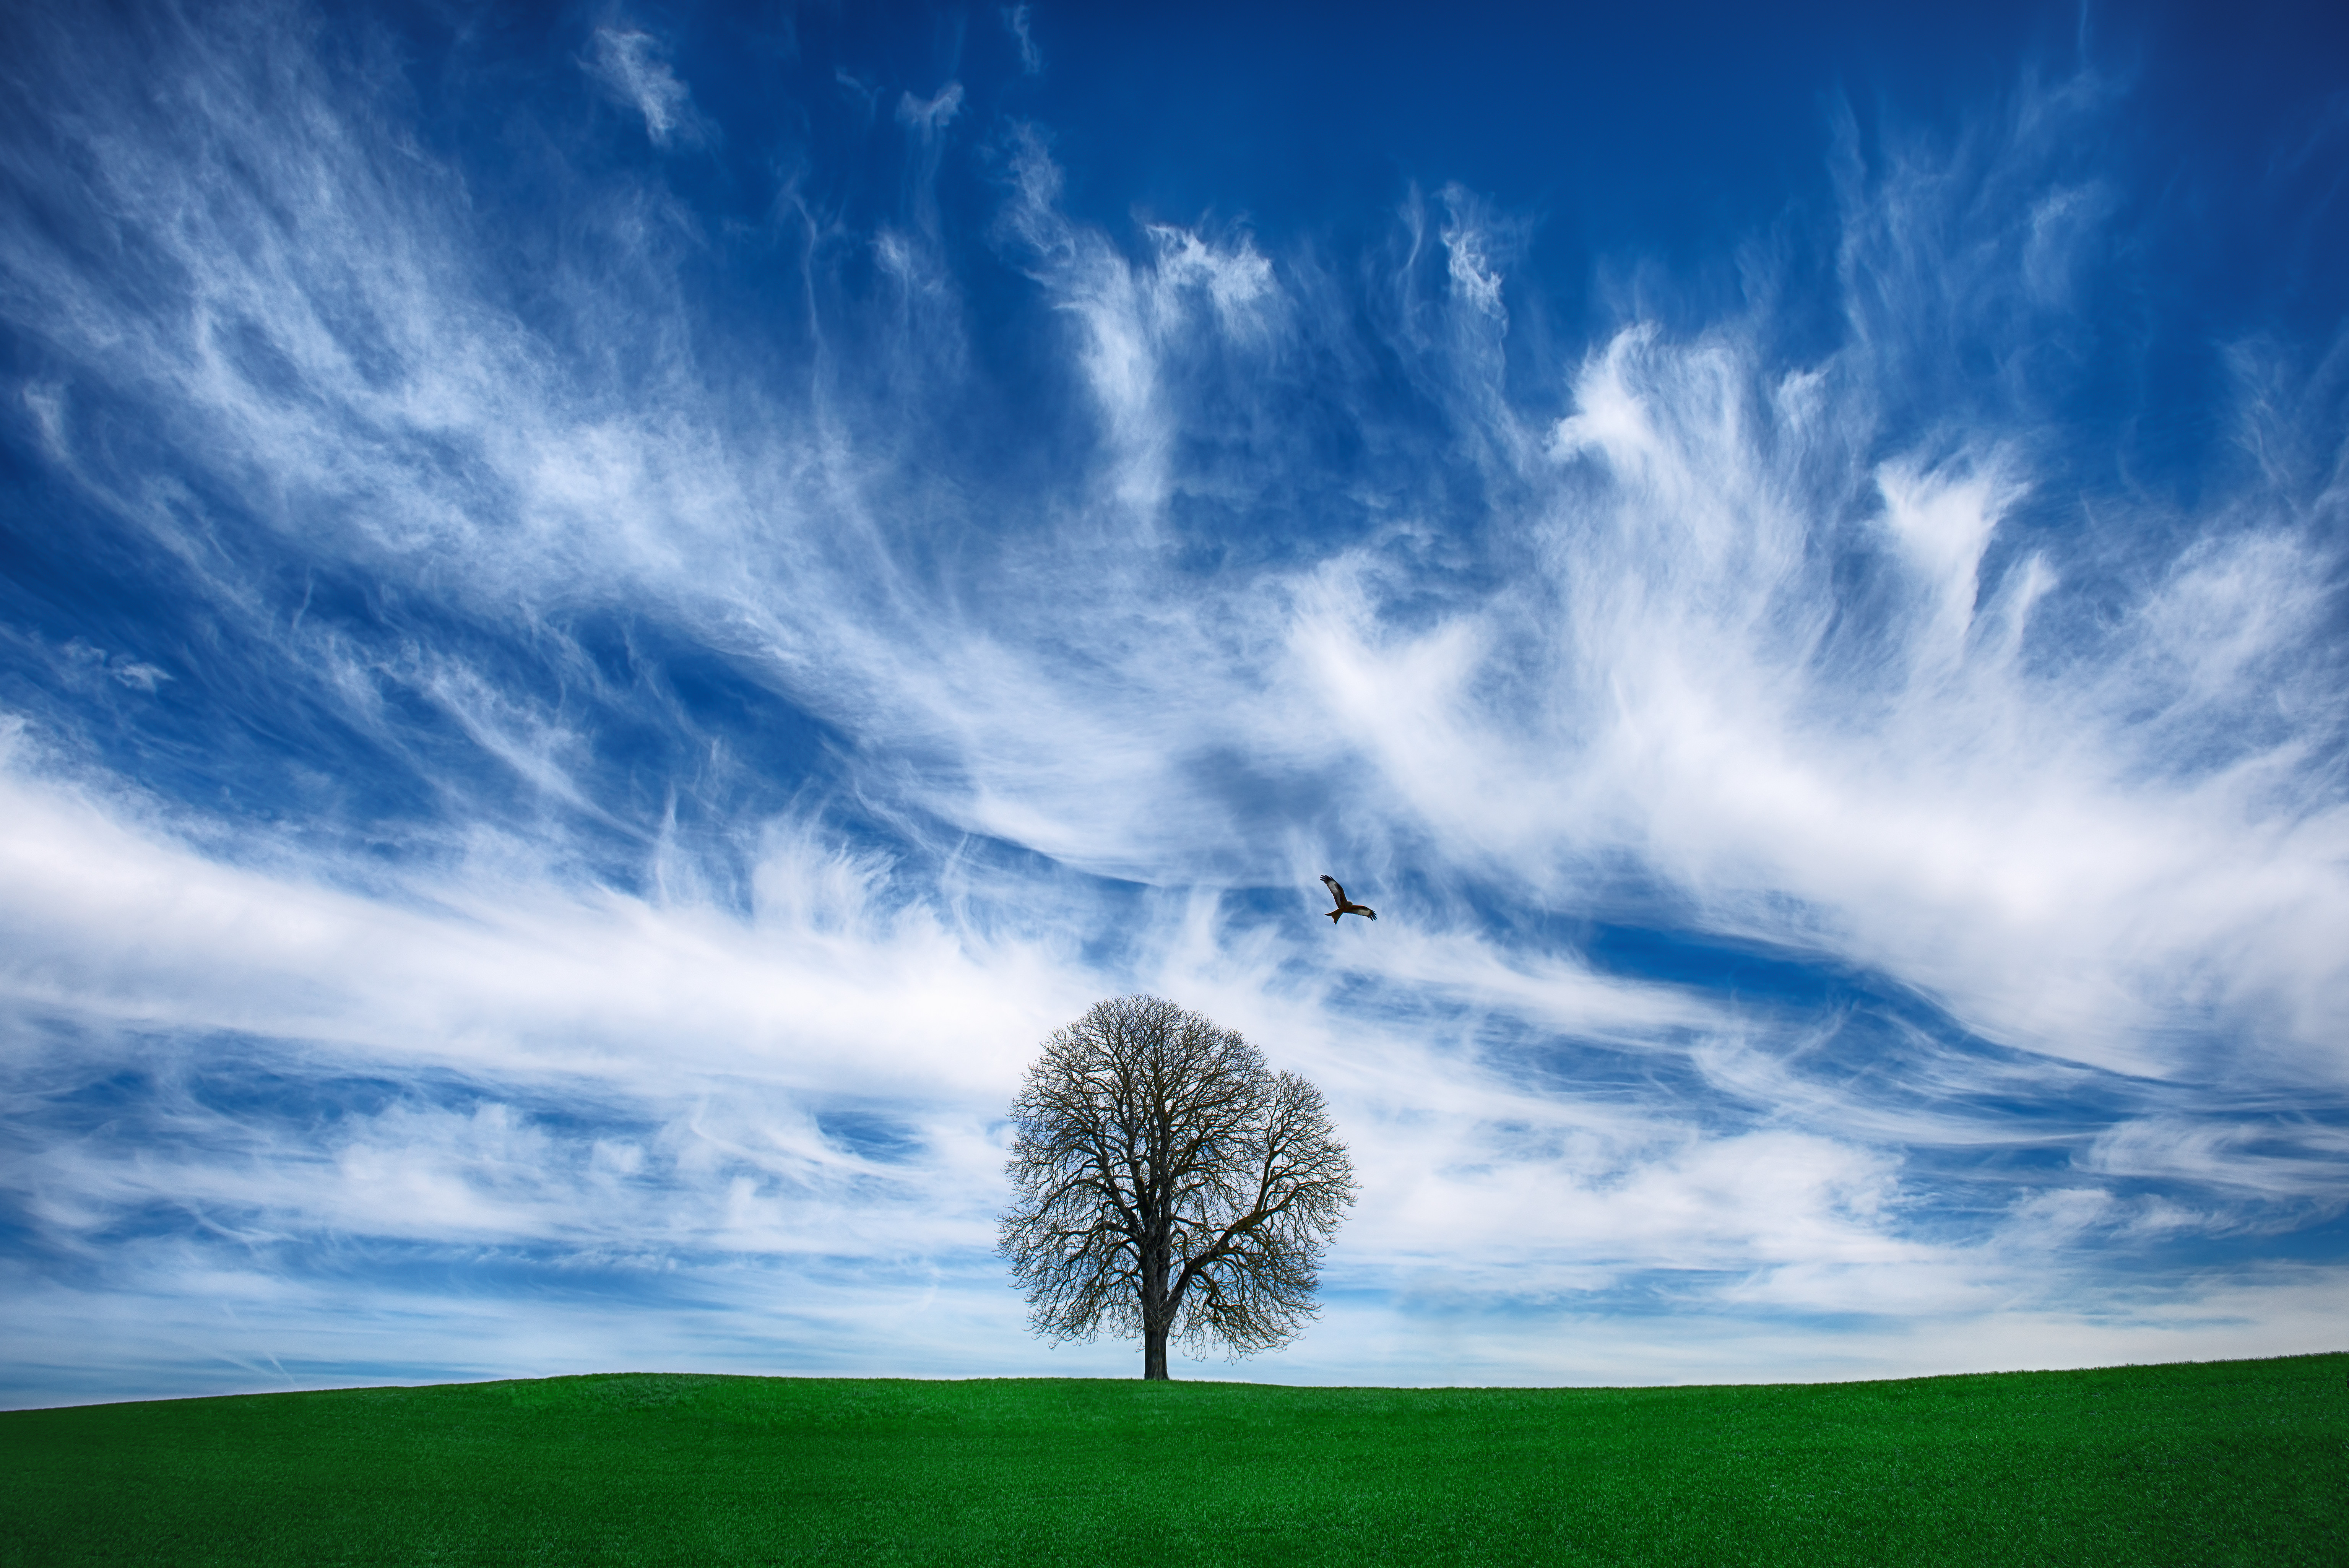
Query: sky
(609, 613)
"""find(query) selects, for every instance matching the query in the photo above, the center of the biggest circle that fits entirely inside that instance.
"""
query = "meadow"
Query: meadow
(2220, 1462)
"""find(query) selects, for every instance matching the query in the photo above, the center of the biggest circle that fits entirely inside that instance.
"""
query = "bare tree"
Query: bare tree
(1166, 1183)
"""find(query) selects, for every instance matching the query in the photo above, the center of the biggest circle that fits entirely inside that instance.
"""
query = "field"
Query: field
(2243, 1462)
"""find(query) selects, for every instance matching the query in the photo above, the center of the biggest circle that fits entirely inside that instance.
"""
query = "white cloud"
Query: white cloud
(933, 114)
(629, 63)
(1713, 657)
(1017, 20)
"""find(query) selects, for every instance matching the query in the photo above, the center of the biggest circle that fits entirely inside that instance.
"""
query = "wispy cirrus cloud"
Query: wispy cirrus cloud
(631, 66)
(629, 772)
(1017, 21)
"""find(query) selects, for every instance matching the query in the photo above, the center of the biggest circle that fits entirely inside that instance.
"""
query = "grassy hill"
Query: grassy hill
(2244, 1461)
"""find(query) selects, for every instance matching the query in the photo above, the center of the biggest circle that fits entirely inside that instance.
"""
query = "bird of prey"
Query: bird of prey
(1345, 908)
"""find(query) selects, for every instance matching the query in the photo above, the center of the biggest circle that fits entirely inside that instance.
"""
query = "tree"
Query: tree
(1166, 1183)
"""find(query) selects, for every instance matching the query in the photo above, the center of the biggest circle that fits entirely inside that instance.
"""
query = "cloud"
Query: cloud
(607, 782)
(629, 65)
(1932, 731)
(932, 115)
(1139, 318)
(1016, 20)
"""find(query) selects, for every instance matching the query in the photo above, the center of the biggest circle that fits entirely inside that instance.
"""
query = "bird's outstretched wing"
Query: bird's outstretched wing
(1336, 892)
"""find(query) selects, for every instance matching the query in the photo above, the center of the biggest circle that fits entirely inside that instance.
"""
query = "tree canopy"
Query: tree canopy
(1167, 1183)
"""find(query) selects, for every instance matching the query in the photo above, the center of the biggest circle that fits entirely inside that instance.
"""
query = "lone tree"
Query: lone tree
(1167, 1182)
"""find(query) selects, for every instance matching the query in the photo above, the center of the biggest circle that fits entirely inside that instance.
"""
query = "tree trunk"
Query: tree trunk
(1157, 1312)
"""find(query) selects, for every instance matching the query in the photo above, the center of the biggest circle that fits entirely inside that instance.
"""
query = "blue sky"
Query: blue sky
(606, 613)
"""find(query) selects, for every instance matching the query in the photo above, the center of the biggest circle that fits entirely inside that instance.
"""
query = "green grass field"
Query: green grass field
(2244, 1461)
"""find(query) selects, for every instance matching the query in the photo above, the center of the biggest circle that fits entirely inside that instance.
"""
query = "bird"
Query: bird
(1345, 908)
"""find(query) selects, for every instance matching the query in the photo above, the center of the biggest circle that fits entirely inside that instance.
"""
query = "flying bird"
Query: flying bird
(1345, 908)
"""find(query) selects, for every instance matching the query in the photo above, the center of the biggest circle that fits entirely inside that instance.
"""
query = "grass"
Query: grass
(2242, 1461)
